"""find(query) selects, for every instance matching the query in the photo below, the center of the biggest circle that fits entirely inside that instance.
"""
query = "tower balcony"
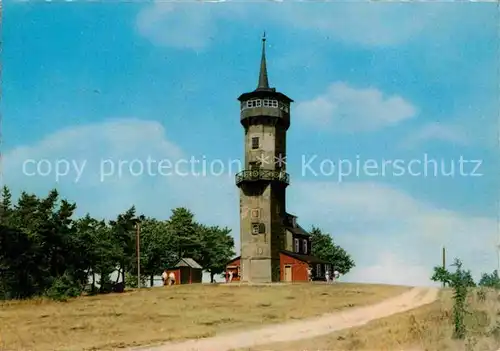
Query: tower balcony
(256, 175)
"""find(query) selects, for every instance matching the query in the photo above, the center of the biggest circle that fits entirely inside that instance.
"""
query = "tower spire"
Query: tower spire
(263, 80)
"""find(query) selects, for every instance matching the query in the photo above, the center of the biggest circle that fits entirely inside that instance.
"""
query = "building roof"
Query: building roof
(263, 80)
(264, 93)
(188, 262)
(303, 258)
(233, 259)
(297, 229)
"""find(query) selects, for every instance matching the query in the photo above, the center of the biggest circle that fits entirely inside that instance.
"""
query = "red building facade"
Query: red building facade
(186, 271)
(295, 258)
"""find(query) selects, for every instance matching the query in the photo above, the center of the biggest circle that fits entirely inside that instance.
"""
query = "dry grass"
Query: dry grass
(427, 328)
(161, 314)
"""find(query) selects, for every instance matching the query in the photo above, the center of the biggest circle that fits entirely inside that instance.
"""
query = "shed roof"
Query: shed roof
(233, 259)
(188, 262)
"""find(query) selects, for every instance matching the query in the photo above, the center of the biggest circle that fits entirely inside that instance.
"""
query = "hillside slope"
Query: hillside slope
(158, 315)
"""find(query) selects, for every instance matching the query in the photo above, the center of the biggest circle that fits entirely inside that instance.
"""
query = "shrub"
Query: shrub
(64, 287)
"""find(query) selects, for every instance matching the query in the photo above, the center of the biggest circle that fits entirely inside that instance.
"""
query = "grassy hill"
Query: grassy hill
(167, 313)
(428, 328)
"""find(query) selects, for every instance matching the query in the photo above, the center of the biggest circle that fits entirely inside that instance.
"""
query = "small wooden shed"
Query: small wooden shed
(187, 271)
(233, 266)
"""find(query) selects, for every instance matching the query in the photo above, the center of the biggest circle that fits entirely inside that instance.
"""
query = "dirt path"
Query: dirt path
(307, 328)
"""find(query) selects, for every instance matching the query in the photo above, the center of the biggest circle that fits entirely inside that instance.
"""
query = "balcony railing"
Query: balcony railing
(262, 174)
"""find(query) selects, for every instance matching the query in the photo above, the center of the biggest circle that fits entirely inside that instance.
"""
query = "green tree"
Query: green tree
(38, 245)
(186, 233)
(99, 251)
(442, 275)
(490, 280)
(452, 279)
(324, 248)
(217, 248)
(45, 251)
(460, 280)
(123, 230)
(158, 247)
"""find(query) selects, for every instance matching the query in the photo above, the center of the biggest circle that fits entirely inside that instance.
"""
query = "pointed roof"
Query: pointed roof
(263, 90)
(263, 79)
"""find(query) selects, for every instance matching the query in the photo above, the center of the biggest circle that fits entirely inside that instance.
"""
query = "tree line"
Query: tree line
(463, 277)
(45, 251)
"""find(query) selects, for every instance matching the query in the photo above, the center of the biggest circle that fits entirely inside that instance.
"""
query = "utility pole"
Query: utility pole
(444, 262)
(138, 243)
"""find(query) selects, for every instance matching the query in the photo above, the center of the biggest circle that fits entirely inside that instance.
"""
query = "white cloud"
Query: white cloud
(393, 237)
(130, 142)
(386, 229)
(346, 109)
(191, 25)
(438, 132)
(475, 125)
(183, 26)
(188, 25)
(391, 269)
(367, 24)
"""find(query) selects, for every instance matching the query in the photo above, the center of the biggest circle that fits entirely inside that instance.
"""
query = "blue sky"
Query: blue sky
(91, 81)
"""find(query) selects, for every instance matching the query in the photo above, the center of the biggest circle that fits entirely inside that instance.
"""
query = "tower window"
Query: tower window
(255, 213)
(255, 143)
(318, 270)
(270, 103)
(255, 228)
(253, 103)
(297, 245)
(304, 242)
